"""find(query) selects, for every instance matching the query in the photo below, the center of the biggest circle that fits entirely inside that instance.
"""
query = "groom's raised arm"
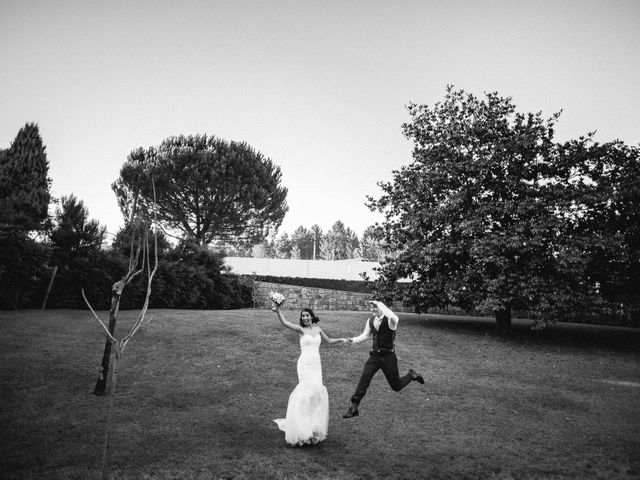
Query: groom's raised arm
(392, 317)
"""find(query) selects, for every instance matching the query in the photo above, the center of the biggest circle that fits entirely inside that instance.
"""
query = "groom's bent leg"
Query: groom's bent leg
(369, 370)
(390, 369)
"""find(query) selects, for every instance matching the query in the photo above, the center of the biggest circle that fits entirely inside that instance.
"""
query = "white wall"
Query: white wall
(285, 267)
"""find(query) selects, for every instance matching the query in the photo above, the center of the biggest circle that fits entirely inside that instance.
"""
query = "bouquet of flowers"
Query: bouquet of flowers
(276, 298)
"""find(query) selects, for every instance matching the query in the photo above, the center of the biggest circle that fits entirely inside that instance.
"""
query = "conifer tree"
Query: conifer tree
(24, 184)
(207, 188)
(24, 201)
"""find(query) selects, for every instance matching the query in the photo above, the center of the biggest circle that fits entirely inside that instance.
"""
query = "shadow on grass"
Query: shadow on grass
(572, 335)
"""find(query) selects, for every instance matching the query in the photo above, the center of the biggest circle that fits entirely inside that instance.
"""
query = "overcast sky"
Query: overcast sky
(320, 87)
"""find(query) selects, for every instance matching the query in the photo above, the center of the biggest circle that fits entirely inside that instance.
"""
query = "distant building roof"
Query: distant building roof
(286, 267)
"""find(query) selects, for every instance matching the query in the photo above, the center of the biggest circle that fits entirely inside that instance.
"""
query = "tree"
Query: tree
(339, 243)
(24, 184)
(122, 241)
(119, 346)
(24, 201)
(265, 249)
(302, 243)
(604, 220)
(282, 246)
(371, 247)
(22, 262)
(316, 233)
(207, 188)
(476, 215)
(139, 246)
(73, 236)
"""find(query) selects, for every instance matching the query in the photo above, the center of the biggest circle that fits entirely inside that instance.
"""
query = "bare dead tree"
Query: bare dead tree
(137, 246)
(137, 226)
(120, 345)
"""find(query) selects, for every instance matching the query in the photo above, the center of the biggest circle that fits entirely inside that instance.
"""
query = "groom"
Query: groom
(382, 326)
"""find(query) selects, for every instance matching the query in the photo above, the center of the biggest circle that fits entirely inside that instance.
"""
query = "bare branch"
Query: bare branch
(106, 329)
(134, 207)
(134, 263)
(133, 240)
(141, 318)
(151, 273)
(166, 232)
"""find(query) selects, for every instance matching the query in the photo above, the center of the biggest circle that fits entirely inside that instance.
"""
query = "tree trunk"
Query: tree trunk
(503, 319)
(101, 385)
(107, 428)
(46, 295)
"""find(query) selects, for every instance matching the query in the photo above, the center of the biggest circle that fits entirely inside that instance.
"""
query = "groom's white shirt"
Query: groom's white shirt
(386, 312)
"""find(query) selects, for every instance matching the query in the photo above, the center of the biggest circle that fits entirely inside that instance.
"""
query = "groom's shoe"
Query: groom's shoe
(416, 376)
(352, 412)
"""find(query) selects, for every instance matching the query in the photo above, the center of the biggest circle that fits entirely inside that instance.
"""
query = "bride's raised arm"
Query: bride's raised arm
(285, 322)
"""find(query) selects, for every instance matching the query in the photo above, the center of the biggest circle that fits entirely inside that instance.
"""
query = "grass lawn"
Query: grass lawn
(197, 391)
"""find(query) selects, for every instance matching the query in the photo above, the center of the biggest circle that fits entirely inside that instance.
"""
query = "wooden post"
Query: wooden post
(46, 295)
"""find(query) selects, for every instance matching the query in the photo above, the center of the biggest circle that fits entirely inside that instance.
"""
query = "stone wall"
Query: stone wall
(298, 297)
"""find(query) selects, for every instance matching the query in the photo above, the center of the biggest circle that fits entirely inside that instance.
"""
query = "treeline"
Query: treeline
(52, 257)
(492, 215)
(51, 250)
(189, 276)
(338, 243)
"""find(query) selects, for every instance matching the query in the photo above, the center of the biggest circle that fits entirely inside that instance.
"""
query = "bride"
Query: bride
(307, 419)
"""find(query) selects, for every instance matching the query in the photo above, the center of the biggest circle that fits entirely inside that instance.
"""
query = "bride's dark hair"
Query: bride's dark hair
(314, 319)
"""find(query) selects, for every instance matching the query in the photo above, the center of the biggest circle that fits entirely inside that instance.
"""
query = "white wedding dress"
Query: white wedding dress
(307, 420)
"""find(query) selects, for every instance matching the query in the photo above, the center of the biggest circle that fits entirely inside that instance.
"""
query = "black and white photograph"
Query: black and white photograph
(320, 240)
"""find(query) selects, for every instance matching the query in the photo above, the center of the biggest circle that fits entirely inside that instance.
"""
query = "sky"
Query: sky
(319, 87)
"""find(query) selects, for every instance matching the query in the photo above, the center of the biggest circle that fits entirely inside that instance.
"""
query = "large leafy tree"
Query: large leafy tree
(601, 193)
(480, 214)
(207, 188)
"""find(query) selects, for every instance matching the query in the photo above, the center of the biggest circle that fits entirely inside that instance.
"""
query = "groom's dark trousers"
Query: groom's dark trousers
(388, 363)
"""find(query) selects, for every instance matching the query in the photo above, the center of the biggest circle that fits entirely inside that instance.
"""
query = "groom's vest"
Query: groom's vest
(384, 337)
